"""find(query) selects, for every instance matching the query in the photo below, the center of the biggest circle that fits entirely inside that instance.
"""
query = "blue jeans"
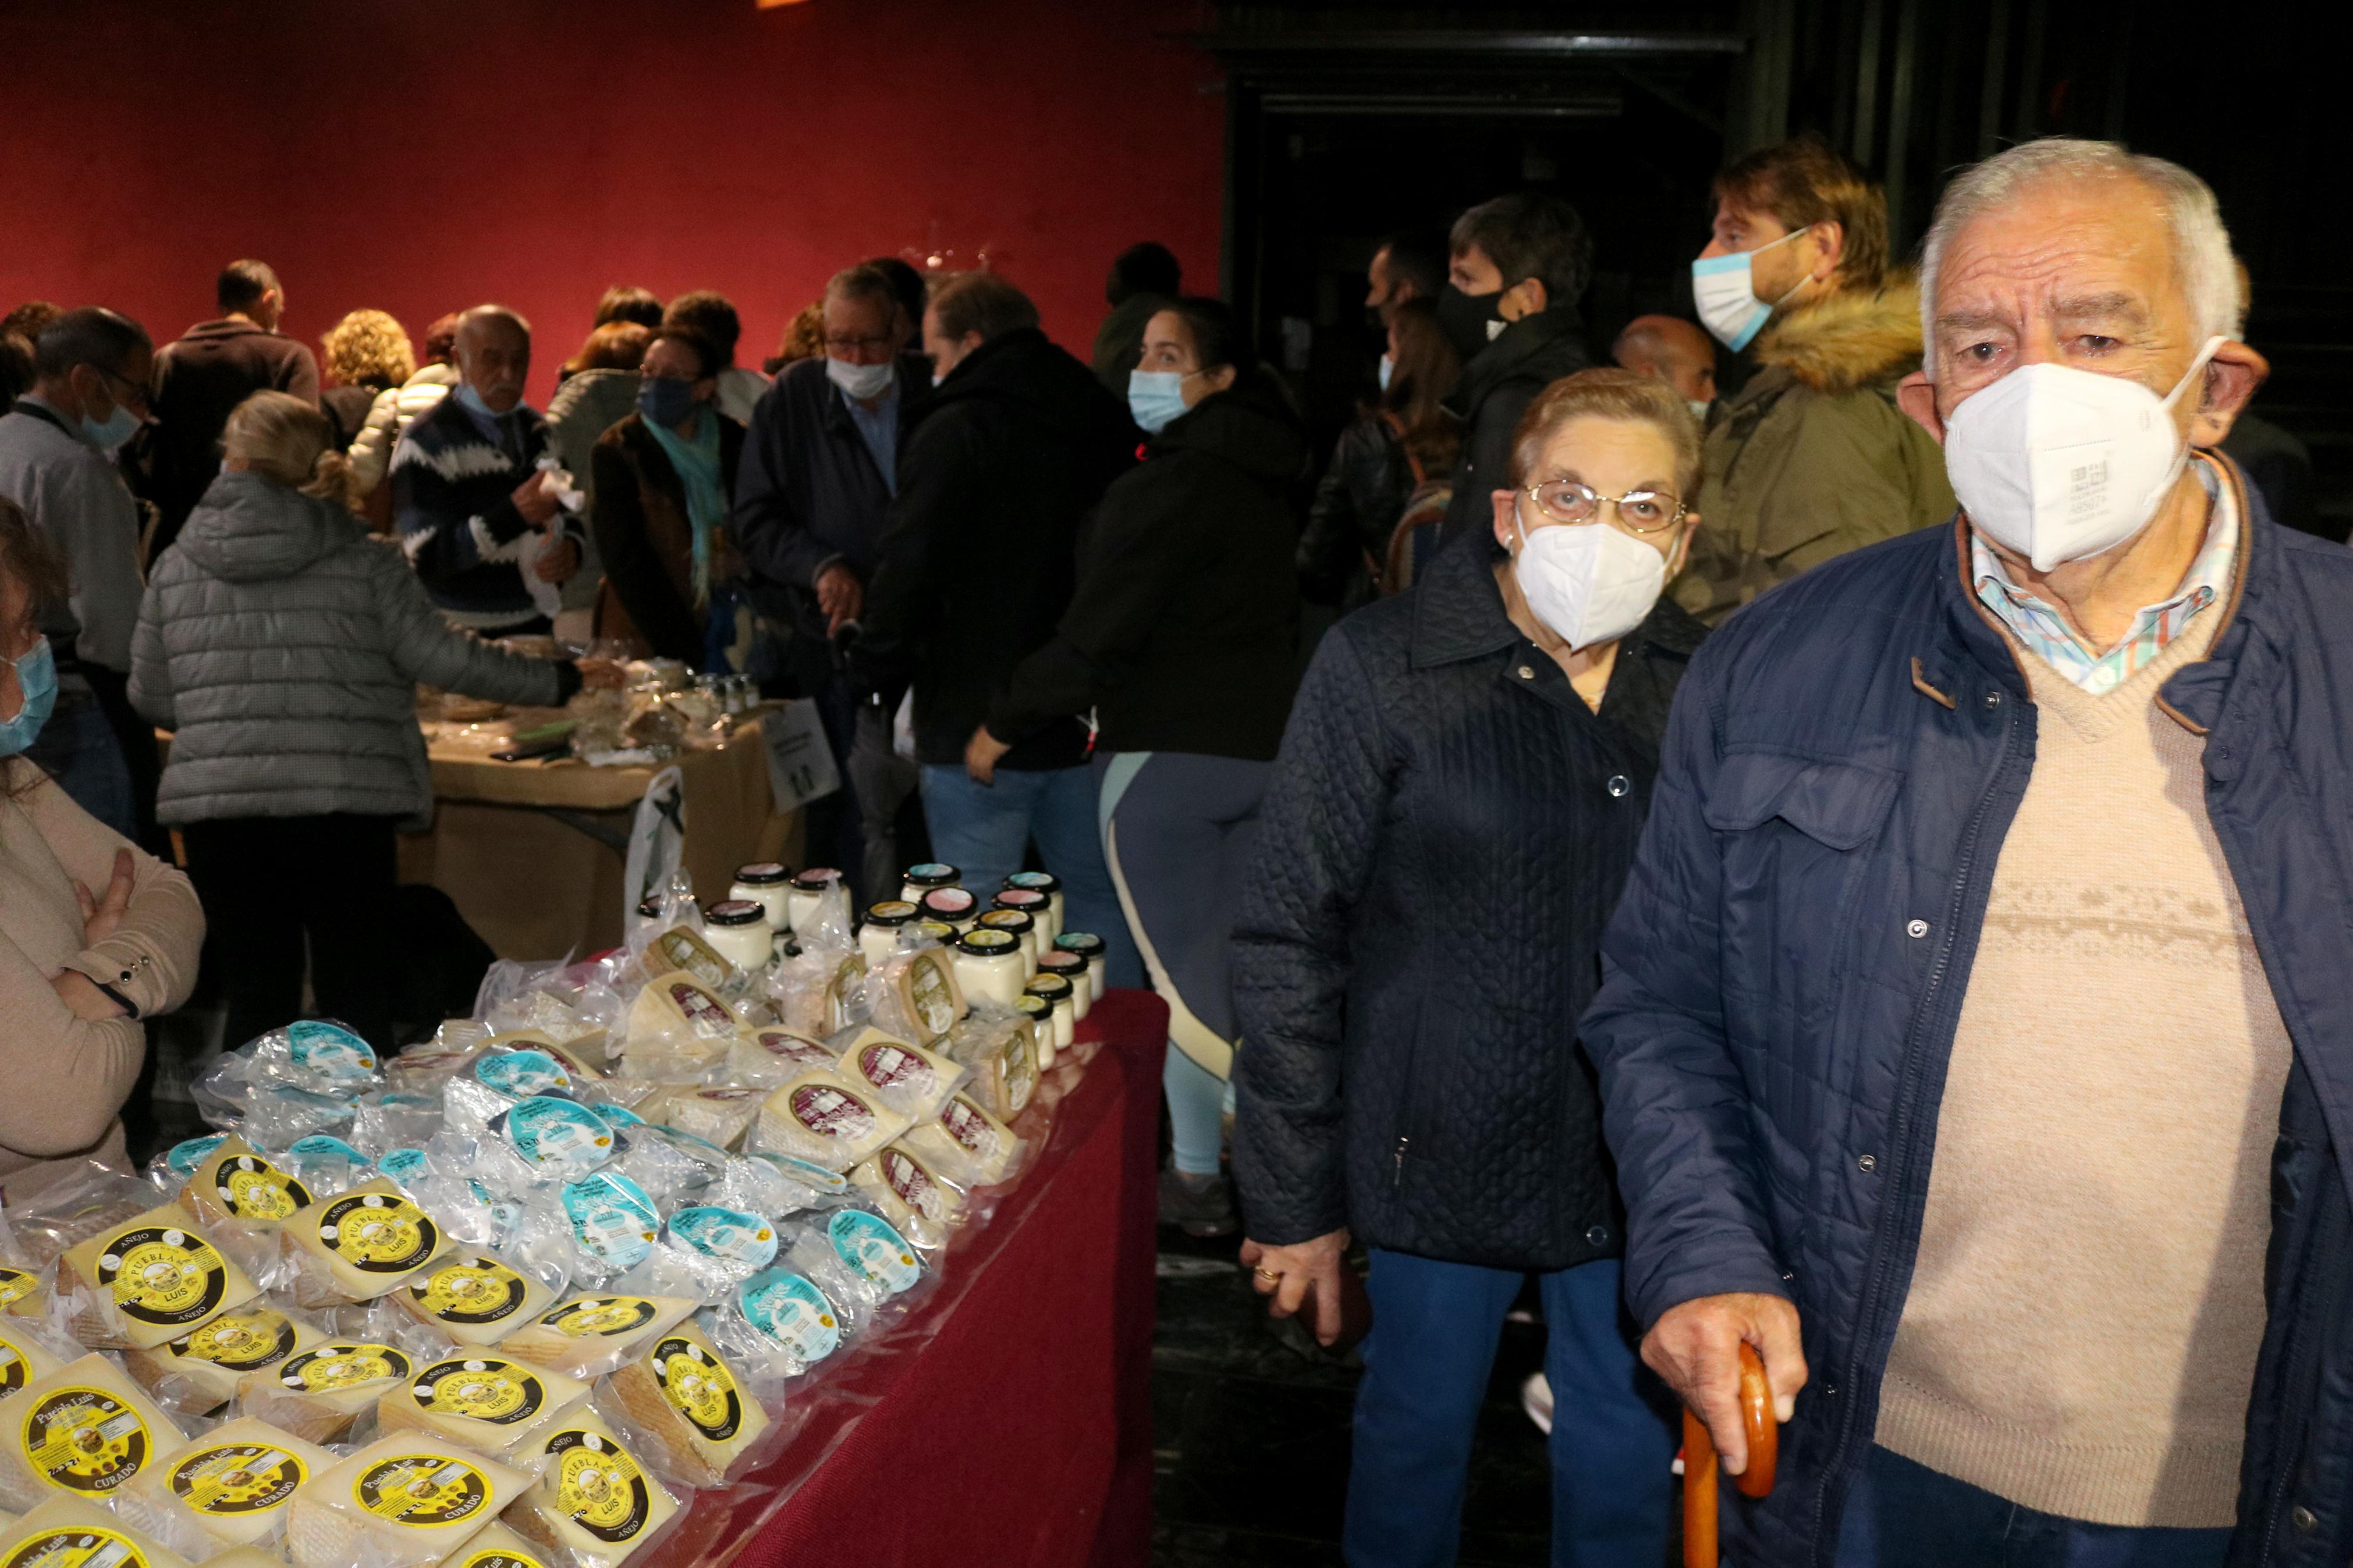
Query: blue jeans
(1426, 1363)
(982, 830)
(78, 749)
(1900, 1514)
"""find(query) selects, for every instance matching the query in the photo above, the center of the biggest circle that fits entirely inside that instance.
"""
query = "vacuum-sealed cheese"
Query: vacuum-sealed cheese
(495, 1547)
(317, 1393)
(910, 1079)
(474, 1298)
(159, 1274)
(66, 1533)
(84, 1430)
(235, 1483)
(593, 1499)
(238, 1181)
(406, 1498)
(490, 1404)
(689, 1403)
(360, 1244)
(963, 1131)
(828, 1119)
(595, 1332)
(21, 1293)
(1003, 1057)
(717, 1115)
(676, 1009)
(918, 993)
(770, 1055)
(200, 1371)
(22, 1358)
(911, 1194)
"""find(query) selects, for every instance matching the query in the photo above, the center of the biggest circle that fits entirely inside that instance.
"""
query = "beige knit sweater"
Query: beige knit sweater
(63, 1079)
(2081, 1333)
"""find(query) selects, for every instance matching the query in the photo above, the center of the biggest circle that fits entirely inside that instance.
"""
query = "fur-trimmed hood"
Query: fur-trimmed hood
(1849, 340)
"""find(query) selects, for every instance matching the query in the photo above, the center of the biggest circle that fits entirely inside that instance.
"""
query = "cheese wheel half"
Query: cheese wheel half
(200, 1371)
(239, 1182)
(84, 1430)
(236, 1483)
(493, 1404)
(689, 1404)
(406, 1498)
(595, 1332)
(474, 1298)
(67, 1532)
(593, 1499)
(360, 1244)
(160, 1274)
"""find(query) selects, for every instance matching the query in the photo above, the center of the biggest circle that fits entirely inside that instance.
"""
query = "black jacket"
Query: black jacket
(1182, 634)
(1447, 830)
(1496, 388)
(198, 380)
(979, 548)
(645, 538)
(1356, 510)
(807, 494)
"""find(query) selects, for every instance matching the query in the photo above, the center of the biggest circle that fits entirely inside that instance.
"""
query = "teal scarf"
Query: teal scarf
(697, 465)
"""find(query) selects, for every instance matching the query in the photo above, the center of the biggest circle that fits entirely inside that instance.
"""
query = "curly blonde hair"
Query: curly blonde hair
(282, 438)
(368, 346)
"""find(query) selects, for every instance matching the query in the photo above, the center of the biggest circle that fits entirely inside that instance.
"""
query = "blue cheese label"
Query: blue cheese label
(557, 1136)
(403, 1165)
(791, 1311)
(184, 1159)
(612, 1218)
(730, 1234)
(331, 1051)
(869, 1246)
(521, 1074)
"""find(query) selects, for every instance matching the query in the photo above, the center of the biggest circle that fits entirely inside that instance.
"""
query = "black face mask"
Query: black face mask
(1465, 318)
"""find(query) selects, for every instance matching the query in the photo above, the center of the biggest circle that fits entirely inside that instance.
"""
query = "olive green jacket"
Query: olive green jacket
(1812, 458)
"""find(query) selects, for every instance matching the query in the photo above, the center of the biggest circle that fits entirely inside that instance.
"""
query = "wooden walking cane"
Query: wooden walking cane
(1699, 1461)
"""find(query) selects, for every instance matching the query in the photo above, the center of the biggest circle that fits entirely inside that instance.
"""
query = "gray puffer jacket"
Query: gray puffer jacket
(283, 645)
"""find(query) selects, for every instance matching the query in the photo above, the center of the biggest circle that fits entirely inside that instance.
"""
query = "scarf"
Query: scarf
(696, 463)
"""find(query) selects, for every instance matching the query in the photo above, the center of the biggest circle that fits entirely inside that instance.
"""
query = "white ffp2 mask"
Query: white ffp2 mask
(2060, 464)
(1588, 582)
(863, 381)
(1723, 288)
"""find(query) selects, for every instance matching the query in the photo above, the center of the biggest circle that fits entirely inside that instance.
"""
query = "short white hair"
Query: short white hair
(2202, 259)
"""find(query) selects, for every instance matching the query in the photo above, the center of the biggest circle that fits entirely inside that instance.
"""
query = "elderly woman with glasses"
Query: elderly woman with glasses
(1452, 816)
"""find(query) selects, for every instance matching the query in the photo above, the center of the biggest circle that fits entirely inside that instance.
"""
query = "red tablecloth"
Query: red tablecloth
(1008, 1418)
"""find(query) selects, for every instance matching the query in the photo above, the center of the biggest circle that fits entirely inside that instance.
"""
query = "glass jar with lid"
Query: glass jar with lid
(1040, 1015)
(806, 891)
(1023, 928)
(878, 936)
(769, 885)
(1054, 988)
(1071, 967)
(921, 878)
(738, 931)
(988, 966)
(1033, 903)
(952, 905)
(1090, 948)
(1044, 882)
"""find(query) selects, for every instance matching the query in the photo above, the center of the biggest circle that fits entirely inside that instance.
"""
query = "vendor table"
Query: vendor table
(533, 852)
(1007, 1419)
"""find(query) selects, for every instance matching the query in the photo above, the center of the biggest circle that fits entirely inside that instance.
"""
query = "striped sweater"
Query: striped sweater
(453, 499)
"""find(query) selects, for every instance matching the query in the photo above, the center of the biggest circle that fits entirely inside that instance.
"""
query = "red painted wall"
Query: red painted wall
(423, 155)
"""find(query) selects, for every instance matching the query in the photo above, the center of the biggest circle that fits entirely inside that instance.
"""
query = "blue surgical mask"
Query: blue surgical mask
(110, 433)
(1724, 289)
(1155, 397)
(665, 400)
(472, 400)
(36, 673)
(1388, 369)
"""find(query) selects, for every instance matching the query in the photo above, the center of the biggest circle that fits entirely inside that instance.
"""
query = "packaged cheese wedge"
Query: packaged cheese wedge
(489, 1403)
(199, 1371)
(406, 1498)
(238, 1181)
(910, 1079)
(913, 1196)
(828, 1119)
(689, 1407)
(716, 1115)
(28, 1350)
(766, 1057)
(84, 1430)
(150, 1280)
(916, 995)
(359, 1244)
(964, 1131)
(474, 1298)
(593, 1499)
(499, 1547)
(678, 1017)
(232, 1486)
(21, 1293)
(317, 1393)
(66, 1533)
(588, 1336)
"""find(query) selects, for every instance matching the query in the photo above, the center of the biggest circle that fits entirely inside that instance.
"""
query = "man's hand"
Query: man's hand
(83, 998)
(101, 916)
(981, 756)
(607, 673)
(1299, 1273)
(840, 595)
(535, 499)
(557, 562)
(1695, 1346)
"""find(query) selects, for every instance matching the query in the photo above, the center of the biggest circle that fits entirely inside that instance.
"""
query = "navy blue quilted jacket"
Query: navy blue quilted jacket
(1447, 831)
(1844, 760)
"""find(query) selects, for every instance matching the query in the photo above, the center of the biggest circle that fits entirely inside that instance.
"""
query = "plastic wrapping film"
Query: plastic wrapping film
(233, 1486)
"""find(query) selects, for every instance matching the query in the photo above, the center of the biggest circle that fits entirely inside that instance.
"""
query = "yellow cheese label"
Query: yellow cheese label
(601, 1315)
(240, 1342)
(500, 1392)
(15, 1285)
(330, 1369)
(14, 1369)
(699, 1387)
(161, 1274)
(85, 1440)
(494, 1558)
(252, 1188)
(599, 1487)
(239, 1477)
(479, 1290)
(79, 1546)
(383, 1233)
(423, 1490)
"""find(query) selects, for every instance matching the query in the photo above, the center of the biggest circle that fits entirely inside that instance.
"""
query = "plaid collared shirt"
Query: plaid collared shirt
(2047, 635)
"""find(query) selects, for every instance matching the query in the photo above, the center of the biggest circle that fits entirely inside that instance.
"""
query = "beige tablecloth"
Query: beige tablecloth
(507, 844)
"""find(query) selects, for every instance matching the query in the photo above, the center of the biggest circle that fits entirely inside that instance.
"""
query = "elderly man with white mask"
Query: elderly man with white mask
(1980, 1009)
